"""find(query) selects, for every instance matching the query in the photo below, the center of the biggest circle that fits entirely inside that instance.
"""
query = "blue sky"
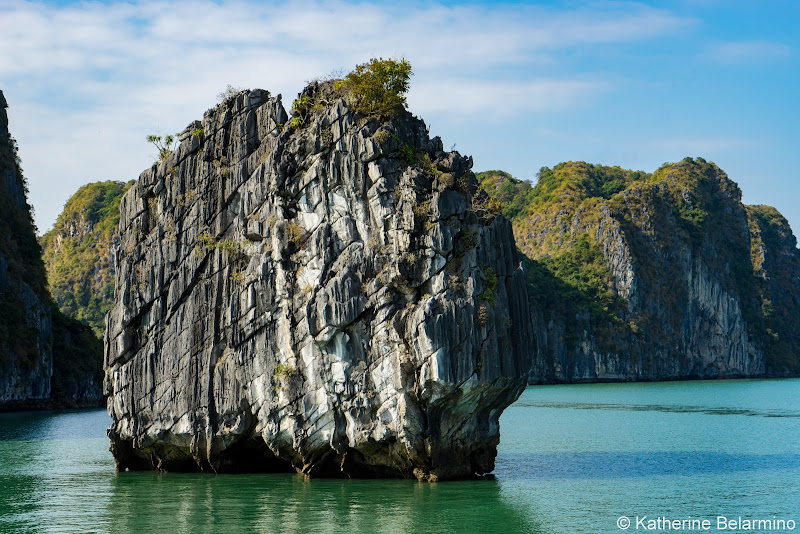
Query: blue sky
(517, 85)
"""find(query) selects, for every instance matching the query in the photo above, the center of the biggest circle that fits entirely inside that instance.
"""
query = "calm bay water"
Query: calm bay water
(571, 459)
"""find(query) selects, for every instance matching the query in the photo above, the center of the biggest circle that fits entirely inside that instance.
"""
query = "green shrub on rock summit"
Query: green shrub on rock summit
(379, 86)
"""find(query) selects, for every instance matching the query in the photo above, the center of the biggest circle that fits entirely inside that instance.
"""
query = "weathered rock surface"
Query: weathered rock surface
(776, 265)
(308, 299)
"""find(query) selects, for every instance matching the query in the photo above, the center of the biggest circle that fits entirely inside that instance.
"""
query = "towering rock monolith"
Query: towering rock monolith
(327, 296)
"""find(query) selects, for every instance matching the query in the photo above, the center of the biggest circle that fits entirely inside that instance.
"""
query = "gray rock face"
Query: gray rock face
(713, 341)
(308, 299)
(26, 364)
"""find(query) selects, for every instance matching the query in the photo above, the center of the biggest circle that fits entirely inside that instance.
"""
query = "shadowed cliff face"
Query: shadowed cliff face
(776, 263)
(637, 276)
(26, 338)
(47, 360)
(328, 299)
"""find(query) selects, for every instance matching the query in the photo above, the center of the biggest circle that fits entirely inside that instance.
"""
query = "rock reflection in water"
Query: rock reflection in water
(200, 503)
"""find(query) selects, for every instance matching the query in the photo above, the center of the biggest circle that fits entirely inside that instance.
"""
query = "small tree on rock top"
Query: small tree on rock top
(379, 87)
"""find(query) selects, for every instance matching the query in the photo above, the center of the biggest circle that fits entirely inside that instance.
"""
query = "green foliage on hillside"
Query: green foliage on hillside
(583, 271)
(567, 273)
(542, 212)
(707, 207)
(77, 252)
(513, 195)
(567, 183)
(573, 282)
(577, 180)
(696, 189)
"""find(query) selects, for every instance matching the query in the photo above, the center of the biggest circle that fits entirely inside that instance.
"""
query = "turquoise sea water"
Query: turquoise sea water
(571, 459)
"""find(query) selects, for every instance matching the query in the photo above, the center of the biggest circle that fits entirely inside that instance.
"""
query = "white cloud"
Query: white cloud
(748, 52)
(87, 82)
(501, 98)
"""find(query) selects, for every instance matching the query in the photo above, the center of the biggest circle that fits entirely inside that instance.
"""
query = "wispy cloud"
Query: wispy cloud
(502, 98)
(748, 52)
(87, 82)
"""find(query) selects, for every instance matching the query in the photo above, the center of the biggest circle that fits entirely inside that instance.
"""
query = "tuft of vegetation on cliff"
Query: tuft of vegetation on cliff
(378, 87)
(374, 89)
(79, 252)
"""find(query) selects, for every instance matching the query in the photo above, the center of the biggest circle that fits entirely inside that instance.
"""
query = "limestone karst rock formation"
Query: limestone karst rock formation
(662, 276)
(330, 299)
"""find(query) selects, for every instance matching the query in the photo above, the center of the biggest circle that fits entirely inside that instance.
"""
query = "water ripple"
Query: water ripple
(669, 408)
(587, 465)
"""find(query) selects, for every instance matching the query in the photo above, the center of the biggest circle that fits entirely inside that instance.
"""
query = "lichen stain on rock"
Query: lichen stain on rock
(309, 299)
